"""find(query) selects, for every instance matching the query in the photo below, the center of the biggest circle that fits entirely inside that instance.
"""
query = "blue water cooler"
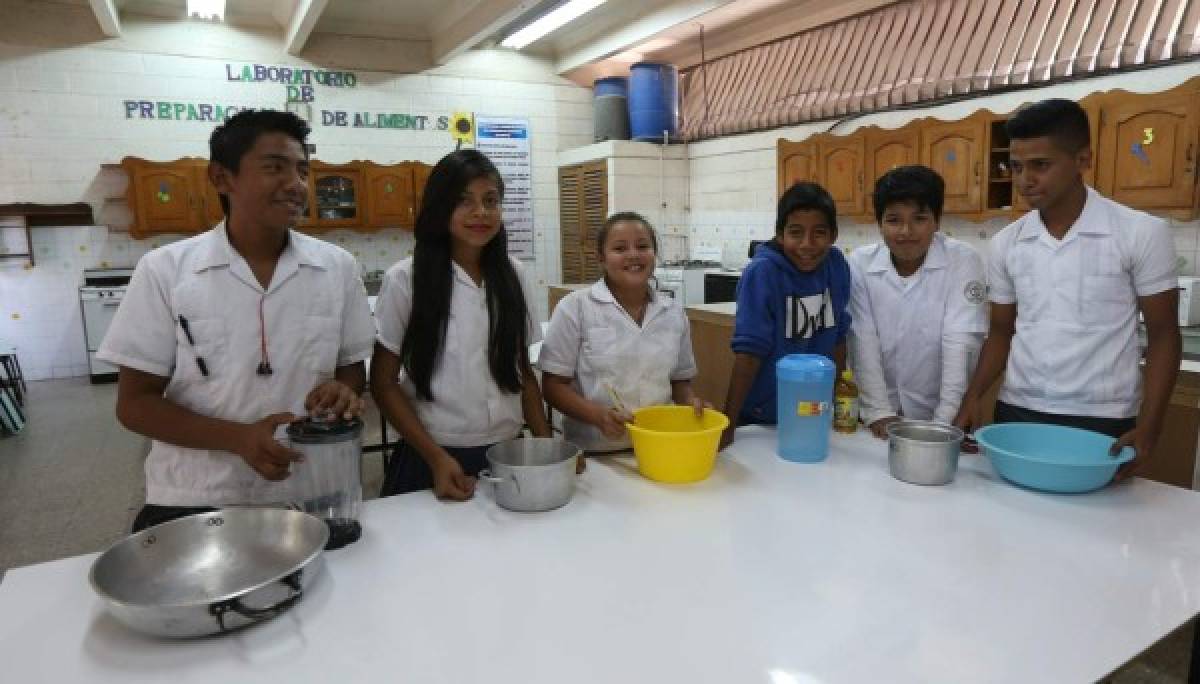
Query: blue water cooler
(805, 383)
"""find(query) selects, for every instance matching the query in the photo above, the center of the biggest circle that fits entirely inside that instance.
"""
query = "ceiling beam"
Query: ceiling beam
(455, 33)
(304, 18)
(634, 33)
(106, 16)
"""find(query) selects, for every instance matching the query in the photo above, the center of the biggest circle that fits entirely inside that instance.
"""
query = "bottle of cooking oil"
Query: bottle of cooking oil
(845, 403)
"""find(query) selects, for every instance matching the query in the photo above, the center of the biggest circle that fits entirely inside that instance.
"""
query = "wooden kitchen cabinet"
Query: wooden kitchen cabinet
(1147, 151)
(797, 162)
(955, 150)
(394, 193)
(177, 197)
(339, 194)
(170, 197)
(711, 328)
(840, 171)
(210, 200)
(886, 150)
(391, 195)
(420, 174)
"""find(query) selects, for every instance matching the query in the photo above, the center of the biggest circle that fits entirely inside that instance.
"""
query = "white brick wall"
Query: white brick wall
(62, 117)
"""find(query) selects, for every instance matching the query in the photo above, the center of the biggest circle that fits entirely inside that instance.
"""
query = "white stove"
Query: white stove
(685, 279)
(101, 295)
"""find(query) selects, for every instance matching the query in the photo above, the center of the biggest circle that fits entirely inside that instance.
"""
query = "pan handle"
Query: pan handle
(487, 476)
(219, 609)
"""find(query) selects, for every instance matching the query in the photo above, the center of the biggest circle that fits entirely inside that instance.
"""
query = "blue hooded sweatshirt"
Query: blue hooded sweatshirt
(782, 310)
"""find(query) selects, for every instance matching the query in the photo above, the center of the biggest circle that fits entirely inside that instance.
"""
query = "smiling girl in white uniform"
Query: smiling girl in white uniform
(617, 339)
(455, 319)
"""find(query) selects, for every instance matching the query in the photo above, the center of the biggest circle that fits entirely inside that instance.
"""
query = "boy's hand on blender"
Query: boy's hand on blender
(449, 480)
(610, 421)
(333, 399)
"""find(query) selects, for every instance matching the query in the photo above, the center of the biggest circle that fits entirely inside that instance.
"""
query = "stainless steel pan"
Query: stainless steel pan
(210, 573)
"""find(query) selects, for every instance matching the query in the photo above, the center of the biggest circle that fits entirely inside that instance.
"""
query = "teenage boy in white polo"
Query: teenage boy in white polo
(1067, 281)
(226, 336)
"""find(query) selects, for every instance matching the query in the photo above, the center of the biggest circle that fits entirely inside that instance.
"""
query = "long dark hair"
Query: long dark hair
(433, 281)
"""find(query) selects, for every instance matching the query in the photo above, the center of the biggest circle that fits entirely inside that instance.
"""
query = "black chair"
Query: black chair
(13, 377)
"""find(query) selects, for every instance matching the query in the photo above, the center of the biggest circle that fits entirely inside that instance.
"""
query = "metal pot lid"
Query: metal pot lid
(309, 431)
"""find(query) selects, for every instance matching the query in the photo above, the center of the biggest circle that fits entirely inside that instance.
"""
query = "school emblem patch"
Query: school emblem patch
(975, 292)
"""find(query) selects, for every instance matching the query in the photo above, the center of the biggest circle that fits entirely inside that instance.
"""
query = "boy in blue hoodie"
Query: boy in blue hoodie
(791, 299)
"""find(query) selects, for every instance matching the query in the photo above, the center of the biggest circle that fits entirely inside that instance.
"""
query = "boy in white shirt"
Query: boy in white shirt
(225, 336)
(917, 304)
(1067, 281)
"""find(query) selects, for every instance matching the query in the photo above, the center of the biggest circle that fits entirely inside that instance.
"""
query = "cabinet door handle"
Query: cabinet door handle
(978, 164)
(1188, 157)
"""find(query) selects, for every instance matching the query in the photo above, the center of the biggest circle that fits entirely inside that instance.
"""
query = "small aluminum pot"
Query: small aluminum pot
(923, 452)
(532, 473)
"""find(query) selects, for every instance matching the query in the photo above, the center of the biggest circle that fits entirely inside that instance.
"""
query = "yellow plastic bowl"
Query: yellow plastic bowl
(673, 445)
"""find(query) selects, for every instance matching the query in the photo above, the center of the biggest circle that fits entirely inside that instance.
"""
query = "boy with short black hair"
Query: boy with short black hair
(791, 299)
(226, 336)
(1067, 281)
(918, 306)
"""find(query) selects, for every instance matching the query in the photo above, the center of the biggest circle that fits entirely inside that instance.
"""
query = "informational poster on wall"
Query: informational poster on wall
(506, 142)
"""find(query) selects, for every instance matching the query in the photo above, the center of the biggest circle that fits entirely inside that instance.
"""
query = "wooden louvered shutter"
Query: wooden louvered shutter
(570, 222)
(582, 209)
(595, 211)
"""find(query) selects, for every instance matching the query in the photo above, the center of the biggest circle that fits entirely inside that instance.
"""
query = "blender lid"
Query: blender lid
(309, 431)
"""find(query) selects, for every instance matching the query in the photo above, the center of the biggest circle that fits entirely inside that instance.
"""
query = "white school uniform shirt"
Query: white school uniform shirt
(594, 341)
(913, 340)
(1075, 350)
(468, 408)
(316, 319)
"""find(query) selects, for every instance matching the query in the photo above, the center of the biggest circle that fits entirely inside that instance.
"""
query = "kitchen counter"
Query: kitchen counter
(711, 326)
(767, 572)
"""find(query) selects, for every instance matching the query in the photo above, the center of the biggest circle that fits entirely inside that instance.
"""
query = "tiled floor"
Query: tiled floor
(72, 481)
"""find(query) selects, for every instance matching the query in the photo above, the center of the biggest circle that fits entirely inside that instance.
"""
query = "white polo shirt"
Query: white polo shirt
(316, 319)
(594, 341)
(468, 408)
(1075, 351)
(913, 340)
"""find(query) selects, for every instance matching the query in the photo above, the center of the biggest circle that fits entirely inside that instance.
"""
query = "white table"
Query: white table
(768, 572)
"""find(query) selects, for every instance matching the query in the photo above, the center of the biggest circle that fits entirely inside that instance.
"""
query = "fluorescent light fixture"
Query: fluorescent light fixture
(207, 9)
(566, 13)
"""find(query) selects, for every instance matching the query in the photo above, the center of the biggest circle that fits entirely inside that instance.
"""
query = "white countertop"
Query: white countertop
(726, 308)
(769, 572)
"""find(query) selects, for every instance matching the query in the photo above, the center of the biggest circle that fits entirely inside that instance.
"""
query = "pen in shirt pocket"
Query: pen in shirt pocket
(187, 332)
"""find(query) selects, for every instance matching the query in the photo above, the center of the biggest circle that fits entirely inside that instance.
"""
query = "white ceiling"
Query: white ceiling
(601, 42)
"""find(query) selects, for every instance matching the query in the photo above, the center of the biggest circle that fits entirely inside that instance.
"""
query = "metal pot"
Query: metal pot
(210, 573)
(923, 452)
(532, 473)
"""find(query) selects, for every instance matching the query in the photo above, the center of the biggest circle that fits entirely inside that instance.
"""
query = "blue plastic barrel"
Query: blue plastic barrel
(610, 109)
(653, 101)
(613, 85)
(805, 406)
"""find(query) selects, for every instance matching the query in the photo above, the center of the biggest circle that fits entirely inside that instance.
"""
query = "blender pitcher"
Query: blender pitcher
(328, 484)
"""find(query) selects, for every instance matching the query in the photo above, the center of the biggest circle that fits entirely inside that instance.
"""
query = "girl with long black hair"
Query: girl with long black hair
(451, 367)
